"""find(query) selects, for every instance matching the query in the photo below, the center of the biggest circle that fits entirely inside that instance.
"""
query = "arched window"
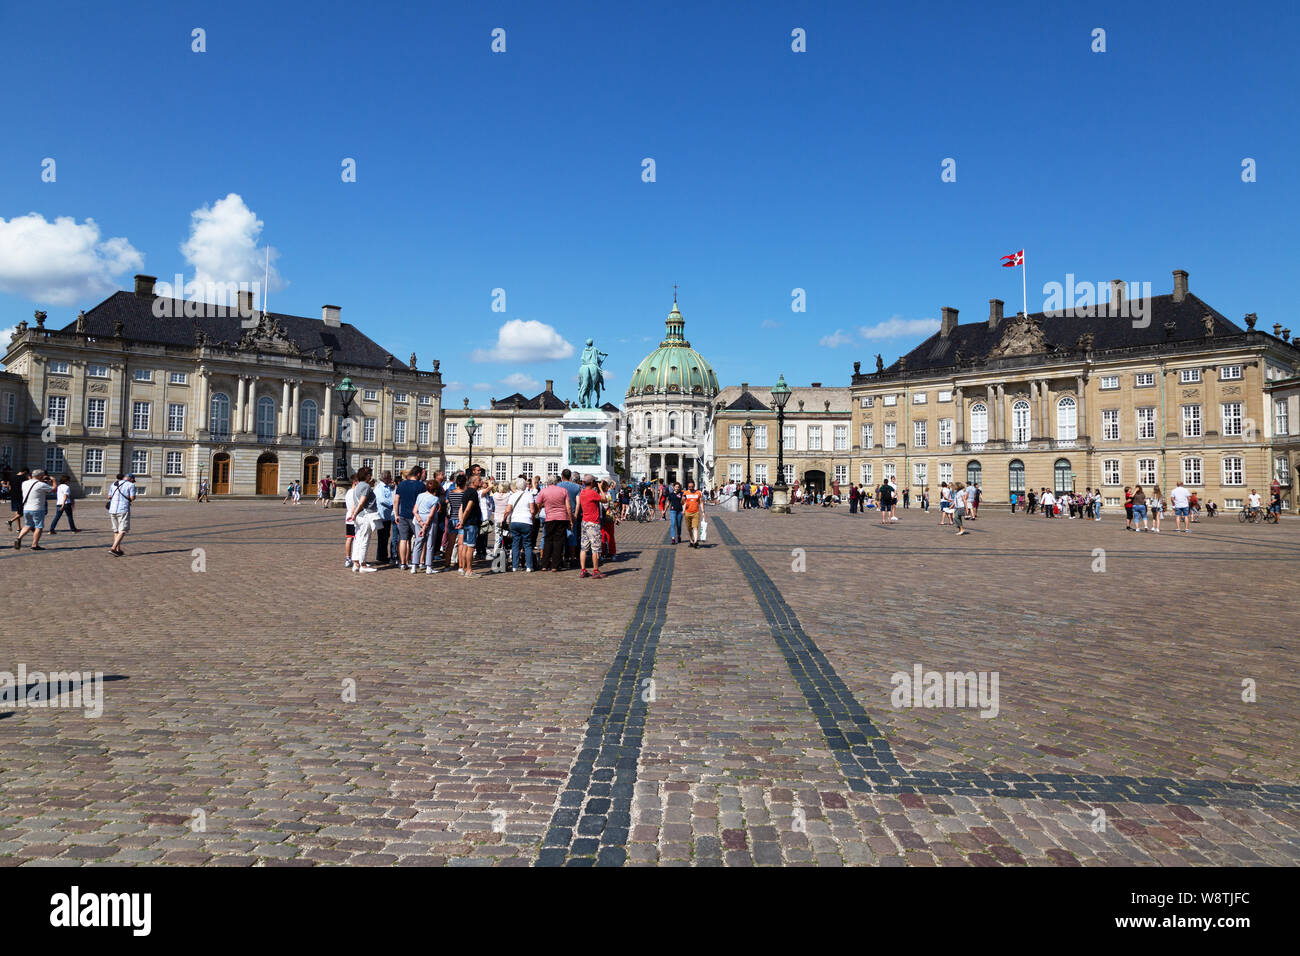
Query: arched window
(974, 473)
(1067, 419)
(219, 416)
(265, 418)
(649, 423)
(1017, 476)
(672, 424)
(1020, 422)
(695, 424)
(979, 423)
(307, 419)
(1061, 473)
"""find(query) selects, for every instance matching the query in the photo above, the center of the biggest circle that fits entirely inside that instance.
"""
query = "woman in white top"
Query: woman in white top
(517, 514)
(363, 510)
(426, 528)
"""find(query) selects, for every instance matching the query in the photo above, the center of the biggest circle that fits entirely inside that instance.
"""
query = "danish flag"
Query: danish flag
(1015, 259)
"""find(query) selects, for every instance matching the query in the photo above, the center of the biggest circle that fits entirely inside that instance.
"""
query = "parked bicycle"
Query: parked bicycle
(1255, 515)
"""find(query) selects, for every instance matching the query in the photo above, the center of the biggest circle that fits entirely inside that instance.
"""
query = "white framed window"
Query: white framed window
(422, 433)
(1228, 373)
(814, 438)
(735, 472)
(503, 435)
(918, 398)
(175, 463)
(1110, 471)
(841, 438)
(891, 434)
(787, 475)
(1146, 422)
(56, 410)
(10, 407)
(175, 417)
(1110, 424)
(789, 440)
(890, 470)
(1234, 471)
(140, 416)
(1189, 376)
(890, 400)
(868, 437)
(1020, 422)
(178, 378)
(1281, 414)
(920, 473)
(733, 437)
(94, 461)
(553, 435)
(499, 470)
(139, 462)
(1144, 379)
(426, 399)
(526, 469)
(760, 472)
(868, 473)
(1109, 382)
(142, 375)
(449, 438)
(399, 398)
(370, 394)
(945, 432)
(920, 434)
(1191, 421)
(1067, 418)
(979, 423)
(96, 412)
(760, 437)
(399, 465)
(58, 367)
(97, 371)
(552, 468)
(530, 435)
(399, 431)
(55, 463)
(945, 395)
(1192, 472)
(1230, 416)
(1282, 471)
(868, 401)
(368, 463)
(1234, 504)
(369, 429)
(842, 474)
(945, 471)
(424, 466)
(1146, 471)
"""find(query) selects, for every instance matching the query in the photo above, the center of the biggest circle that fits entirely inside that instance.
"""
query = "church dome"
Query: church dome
(674, 367)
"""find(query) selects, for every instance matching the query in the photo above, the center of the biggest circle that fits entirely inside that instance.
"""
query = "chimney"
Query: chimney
(144, 286)
(949, 321)
(1180, 284)
(550, 385)
(329, 314)
(1117, 288)
(995, 312)
(816, 384)
(245, 302)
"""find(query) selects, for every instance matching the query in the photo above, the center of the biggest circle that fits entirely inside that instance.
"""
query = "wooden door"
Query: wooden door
(268, 477)
(310, 473)
(221, 475)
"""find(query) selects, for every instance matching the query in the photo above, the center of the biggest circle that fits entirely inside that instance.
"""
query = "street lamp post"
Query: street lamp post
(342, 468)
(747, 430)
(780, 491)
(471, 429)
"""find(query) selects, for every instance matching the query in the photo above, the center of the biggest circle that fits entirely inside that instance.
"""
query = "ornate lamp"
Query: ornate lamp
(780, 491)
(471, 429)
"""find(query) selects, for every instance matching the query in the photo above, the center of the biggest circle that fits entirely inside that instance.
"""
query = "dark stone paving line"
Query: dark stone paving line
(591, 824)
(868, 762)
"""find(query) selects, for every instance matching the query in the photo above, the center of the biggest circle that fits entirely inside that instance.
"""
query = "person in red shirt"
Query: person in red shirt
(589, 540)
(693, 506)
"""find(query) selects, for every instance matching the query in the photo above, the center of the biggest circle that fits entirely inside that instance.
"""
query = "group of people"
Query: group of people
(29, 493)
(293, 494)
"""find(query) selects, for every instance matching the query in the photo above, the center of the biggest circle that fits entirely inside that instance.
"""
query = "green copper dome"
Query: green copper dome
(674, 366)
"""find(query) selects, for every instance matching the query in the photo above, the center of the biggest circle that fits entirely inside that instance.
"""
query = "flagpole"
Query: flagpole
(1024, 282)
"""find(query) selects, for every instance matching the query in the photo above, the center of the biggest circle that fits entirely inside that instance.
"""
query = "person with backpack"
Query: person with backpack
(120, 496)
(35, 491)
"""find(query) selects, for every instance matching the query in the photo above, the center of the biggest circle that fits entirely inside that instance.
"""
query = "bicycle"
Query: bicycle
(1255, 515)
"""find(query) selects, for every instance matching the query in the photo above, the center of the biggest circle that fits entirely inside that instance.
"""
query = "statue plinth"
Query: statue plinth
(587, 439)
(780, 500)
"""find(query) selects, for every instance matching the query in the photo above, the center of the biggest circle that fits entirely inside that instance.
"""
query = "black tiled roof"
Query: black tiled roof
(975, 339)
(543, 401)
(136, 314)
(746, 402)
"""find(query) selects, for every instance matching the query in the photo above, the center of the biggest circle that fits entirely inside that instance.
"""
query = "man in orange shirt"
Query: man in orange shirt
(693, 506)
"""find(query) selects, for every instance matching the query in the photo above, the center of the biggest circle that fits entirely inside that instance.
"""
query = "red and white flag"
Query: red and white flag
(1015, 259)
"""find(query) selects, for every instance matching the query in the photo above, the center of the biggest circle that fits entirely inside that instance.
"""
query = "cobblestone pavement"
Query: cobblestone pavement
(727, 705)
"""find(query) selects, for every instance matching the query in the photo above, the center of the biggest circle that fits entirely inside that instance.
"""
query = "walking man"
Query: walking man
(120, 496)
(35, 490)
(693, 508)
(63, 504)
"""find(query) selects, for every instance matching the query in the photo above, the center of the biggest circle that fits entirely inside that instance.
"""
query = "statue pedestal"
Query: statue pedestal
(587, 439)
(780, 500)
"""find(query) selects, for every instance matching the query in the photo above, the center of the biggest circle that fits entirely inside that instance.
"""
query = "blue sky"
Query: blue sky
(775, 170)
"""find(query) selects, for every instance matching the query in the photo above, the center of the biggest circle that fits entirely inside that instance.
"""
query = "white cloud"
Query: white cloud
(61, 262)
(222, 247)
(771, 324)
(480, 387)
(899, 327)
(519, 382)
(525, 340)
(835, 340)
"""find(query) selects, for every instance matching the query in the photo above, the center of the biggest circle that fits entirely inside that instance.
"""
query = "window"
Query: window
(1020, 422)
(94, 461)
(918, 398)
(553, 435)
(1110, 471)
(368, 463)
(97, 371)
(1144, 379)
(1229, 373)
(868, 437)
(424, 466)
(139, 462)
(530, 435)
(1233, 471)
(1146, 471)
(1191, 421)
(552, 468)
(1189, 376)
(56, 409)
(1191, 471)
(1282, 471)
(945, 432)
(219, 416)
(369, 429)
(1067, 419)
(734, 472)
(399, 398)
(1016, 476)
(841, 474)
(426, 399)
(1281, 426)
(979, 423)
(175, 417)
(1064, 477)
(789, 440)
(308, 420)
(1230, 413)
(945, 396)
(526, 469)
(95, 412)
(140, 416)
(10, 407)
(974, 472)
(649, 423)
(449, 438)
(59, 368)
(760, 472)
(672, 424)
(422, 433)
(265, 418)
(55, 463)
(142, 375)
(760, 436)
(842, 438)
(945, 471)
(920, 472)
(370, 394)
(1109, 381)
(869, 401)
(1233, 504)
(733, 437)
(174, 463)
(787, 475)
(178, 378)
(920, 434)
(1110, 424)
(499, 470)
(868, 473)
(891, 435)
(399, 465)
(890, 400)
(1146, 423)
(814, 438)
(399, 431)
(890, 470)
(503, 435)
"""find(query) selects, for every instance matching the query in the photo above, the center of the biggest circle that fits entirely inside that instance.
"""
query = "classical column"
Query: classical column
(293, 407)
(961, 417)
(327, 426)
(1035, 403)
(1081, 428)
(992, 419)
(240, 405)
(201, 400)
(1043, 401)
(250, 425)
(1000, 393)
(284, 408)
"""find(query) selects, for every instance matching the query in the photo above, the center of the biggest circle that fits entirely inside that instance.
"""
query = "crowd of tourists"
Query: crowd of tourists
(29, 494)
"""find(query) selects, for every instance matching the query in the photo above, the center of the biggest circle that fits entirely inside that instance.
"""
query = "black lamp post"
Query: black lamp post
(346, 392)
(780, 491)
(747, 430)
(471, 429)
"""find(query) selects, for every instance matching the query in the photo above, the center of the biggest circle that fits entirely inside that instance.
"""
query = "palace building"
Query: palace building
(1070, 401)
(245, 399)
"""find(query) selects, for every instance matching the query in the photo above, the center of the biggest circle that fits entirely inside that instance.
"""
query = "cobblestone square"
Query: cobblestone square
(731, 705)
